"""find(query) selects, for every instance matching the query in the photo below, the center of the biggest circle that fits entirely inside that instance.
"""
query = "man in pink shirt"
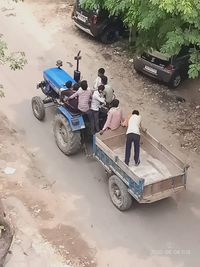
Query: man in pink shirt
(84, 96)
(114, 117)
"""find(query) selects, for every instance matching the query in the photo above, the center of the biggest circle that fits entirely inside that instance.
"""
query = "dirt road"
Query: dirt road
(161, 234)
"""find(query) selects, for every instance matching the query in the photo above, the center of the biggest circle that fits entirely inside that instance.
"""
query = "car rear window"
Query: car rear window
(157, 58)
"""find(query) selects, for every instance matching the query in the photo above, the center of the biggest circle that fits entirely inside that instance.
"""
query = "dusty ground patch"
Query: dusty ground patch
(35, 212)
(70, 245)
(6, 235)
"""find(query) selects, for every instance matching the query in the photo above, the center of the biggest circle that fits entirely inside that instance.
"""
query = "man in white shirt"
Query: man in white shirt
(108, 91)
(97, 101)
(97, 82)
(133, 136)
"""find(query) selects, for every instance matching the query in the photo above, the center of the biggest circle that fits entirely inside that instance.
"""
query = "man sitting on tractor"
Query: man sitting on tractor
(71, 104)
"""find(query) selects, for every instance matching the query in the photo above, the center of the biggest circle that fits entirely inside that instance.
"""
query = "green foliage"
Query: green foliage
(15, 60)
(163, 25)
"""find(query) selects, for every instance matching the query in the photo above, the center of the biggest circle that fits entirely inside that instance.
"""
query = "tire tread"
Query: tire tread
(127, 198)
(74, 143)
(40, 104)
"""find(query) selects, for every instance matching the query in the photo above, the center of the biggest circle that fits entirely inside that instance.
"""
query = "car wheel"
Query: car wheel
(175, 81)
(136, 70)
(110, 35)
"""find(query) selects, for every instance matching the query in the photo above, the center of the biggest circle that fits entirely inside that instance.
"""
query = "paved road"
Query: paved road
(166, 233)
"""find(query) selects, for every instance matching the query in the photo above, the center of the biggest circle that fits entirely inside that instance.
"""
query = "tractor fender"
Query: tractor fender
(76, 121)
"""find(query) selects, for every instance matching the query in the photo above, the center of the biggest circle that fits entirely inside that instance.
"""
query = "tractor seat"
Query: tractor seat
(72, 111)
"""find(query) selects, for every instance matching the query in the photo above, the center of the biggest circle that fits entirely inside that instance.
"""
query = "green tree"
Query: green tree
(15, 60)
(163, 25)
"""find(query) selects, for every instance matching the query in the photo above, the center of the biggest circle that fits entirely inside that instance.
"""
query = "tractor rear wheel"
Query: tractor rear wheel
(38, 108)
(69, 142)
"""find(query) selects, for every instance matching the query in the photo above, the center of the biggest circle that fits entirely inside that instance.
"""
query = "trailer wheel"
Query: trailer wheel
(38, 108)
(68, 141)
(119, 193)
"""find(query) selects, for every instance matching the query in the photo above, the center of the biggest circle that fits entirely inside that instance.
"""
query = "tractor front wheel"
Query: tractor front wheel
(69, 142)
(38, 108)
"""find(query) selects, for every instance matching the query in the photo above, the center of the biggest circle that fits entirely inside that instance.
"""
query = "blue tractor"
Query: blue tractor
(68, 125)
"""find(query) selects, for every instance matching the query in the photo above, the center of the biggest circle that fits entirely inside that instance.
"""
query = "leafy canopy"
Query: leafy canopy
(163, 25)
(15, 60)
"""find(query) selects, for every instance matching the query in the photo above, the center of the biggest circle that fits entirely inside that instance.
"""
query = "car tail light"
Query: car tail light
(169, 67)
(94, 19)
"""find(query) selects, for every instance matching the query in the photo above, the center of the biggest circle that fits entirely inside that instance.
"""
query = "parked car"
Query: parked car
(98, 23)
(170, 70)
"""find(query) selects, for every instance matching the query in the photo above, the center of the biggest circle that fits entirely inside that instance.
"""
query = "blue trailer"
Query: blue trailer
(159, 175)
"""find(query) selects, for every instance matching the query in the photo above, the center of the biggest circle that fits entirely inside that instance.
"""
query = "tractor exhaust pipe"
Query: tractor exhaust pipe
(77, 73)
